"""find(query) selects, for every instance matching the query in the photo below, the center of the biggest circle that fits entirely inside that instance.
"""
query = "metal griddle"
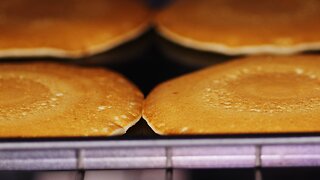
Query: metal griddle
(148, 61)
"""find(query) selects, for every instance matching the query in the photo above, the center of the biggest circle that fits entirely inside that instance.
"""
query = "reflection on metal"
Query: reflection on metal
(80, 175)
(258, 174)
(169, 170)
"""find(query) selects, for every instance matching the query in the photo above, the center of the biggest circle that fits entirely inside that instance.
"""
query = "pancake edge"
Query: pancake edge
(88, 51)
(233, 51)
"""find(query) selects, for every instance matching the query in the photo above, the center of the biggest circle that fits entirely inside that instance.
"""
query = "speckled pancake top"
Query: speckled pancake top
(55, 100)
(261, 94)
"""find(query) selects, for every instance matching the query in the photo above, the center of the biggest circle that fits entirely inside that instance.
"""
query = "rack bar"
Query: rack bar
(38, 160)
(157, 143)
(213, 157)
(124, 158)
(290, 155)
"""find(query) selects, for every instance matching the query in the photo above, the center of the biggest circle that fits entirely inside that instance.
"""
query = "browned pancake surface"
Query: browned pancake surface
(53, 100)
(243, 27)
(71, 28)
(251, 95)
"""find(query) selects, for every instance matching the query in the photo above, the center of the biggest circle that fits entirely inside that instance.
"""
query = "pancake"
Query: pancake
(235, 27)
(73, 28)
(262, 94)
(55, 100)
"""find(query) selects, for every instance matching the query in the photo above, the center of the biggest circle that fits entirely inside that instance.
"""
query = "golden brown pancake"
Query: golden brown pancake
(261, 94)
(72, 28)
(236, 27)
(55, 100)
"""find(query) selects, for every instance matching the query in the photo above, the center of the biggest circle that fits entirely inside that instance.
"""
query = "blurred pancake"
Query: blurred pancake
(73, 28)
(235, 27)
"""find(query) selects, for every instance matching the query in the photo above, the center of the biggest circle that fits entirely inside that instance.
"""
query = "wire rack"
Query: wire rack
(161, 153)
